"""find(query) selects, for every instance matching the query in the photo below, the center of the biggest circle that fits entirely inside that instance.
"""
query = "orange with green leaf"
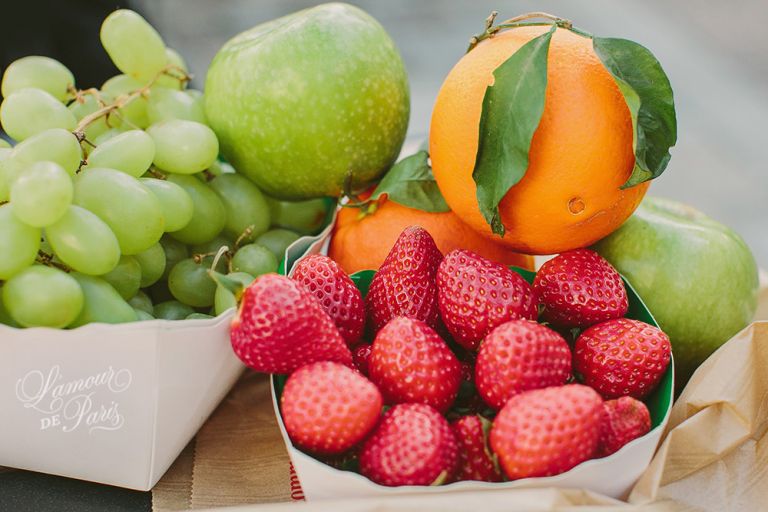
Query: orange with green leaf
(544, 138)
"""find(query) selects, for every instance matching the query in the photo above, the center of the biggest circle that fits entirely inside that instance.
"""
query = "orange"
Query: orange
(580, 155)
(359, 244)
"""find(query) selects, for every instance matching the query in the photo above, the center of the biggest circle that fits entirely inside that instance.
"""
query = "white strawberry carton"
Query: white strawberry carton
(613, 476)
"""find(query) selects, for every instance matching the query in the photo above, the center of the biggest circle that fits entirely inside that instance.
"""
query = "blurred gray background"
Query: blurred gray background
(715, 53)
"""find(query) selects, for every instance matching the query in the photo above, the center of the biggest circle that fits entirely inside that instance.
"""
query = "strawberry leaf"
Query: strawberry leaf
(512, 109)
(649, 96)
(410, 183)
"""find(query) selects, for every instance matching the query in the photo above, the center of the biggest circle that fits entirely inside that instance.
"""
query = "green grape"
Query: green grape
(170, 79)
(277, 241)
(225, 299)
(303, 217)
(255, 260)
(38, 72)
(107, 135)
(199, 316)
(209, 214)
(244, 203)
(168, 104)
(173, 310)
(9, 173)
(19, 243)
(87, 105)
(133, 44)
(54, 145)
(190, 283)
(125, 277)
(5, 316)
(219, 167)
(81, 240)
(183, 147)
(131, 152)
(142, 316)
(30, 111)
(5, 152)
(4, 144)
(175, 251)
(152, 263)
(41, 194)
(102, 303)
(135, 111)
(129, 208)
(43, 296)
(142, 301)
(176, 204)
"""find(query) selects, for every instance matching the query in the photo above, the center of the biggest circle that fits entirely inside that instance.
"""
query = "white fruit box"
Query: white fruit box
(114, 404)
(612, 476)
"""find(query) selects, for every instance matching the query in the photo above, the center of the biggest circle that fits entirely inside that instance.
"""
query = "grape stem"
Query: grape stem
(247, 232)
(124, 99)
(47, 259)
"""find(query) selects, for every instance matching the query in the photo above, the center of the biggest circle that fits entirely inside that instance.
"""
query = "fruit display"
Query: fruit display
(114, 204)
(537, 399)
(686, 266)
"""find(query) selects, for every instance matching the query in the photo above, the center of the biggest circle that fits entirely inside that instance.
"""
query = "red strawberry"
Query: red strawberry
(405, 282)
(625, 419)
(413, 445)
(336, 292)
(328, 408)
(411, 363)
(518, 356)
(475, 460)
(580, 288)
(360, 356)
(476, 295)
(547, 431)
(280, 326)
(622, 357)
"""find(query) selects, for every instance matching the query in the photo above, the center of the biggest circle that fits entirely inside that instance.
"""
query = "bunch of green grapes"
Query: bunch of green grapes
(114, 205)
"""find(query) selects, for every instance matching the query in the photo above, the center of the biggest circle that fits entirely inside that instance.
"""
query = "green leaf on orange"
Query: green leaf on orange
(512, 109)
(648, 94)
(410, 183)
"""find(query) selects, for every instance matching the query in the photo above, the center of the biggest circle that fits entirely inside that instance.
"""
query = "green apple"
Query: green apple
(697, 277)
(305, 102)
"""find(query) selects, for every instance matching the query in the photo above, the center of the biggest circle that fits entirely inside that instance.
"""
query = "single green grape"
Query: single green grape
(27, 112)
(244, 203)
(10, 170)
(173, 310)
(54, 145)
(41, 296)
(102, 303)
(5, 316)
(38, 72)
(254, 259)
(86, 105)
(175, 251)
(277, 241)
(209, 215)
(176, 204)
(41, 194)
(199, 316)
(152, 263)
(19, 243)
(303, 217)
(190, 283)
(107, 135)
(142, 316)
(220, 167)
(225, 299)
(183, 147)
(135, 111)
(125, 277)
(131, 152)
(82, 241)
(179, 66)
(167, 104)
(133, 45)
(142, 301)
(4, 144)
(129, 208)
